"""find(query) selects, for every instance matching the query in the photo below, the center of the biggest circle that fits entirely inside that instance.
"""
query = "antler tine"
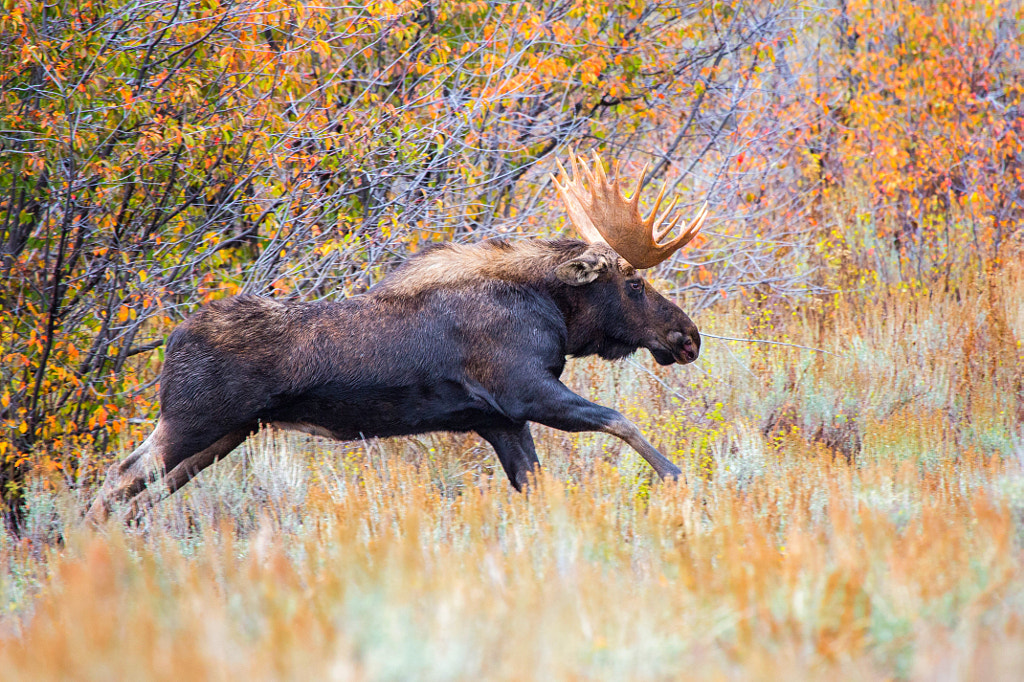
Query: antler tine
(578, 202)
(559, 186)
(615, 183)
(566, 183)
(591, 176)
(684, 237)
(634, 201)
(554, 178)
(599, 173)
(651, 221)
(660, 234)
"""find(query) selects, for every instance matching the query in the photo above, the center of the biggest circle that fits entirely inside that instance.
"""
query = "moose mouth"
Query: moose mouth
(678, 348)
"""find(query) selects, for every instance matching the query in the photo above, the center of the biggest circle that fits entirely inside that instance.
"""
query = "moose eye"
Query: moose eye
(636, 284)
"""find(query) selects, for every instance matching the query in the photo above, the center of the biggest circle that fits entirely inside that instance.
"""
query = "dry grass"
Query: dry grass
(854, 517)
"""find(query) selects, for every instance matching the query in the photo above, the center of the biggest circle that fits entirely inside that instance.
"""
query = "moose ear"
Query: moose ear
(583, 269)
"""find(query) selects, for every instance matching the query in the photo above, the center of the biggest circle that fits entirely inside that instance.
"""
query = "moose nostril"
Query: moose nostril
(675, 338)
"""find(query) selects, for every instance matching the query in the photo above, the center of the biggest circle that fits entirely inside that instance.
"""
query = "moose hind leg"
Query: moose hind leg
(515, 450)
(172, 453)
(182, 472)
(131, 475)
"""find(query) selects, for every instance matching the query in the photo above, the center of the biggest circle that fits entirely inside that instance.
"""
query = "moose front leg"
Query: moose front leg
(514, 447)
(554, 405)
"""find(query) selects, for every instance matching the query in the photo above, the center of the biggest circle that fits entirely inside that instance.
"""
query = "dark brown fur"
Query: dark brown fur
(459, 338)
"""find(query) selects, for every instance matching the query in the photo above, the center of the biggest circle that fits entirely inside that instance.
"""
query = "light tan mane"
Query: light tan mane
(457, 265)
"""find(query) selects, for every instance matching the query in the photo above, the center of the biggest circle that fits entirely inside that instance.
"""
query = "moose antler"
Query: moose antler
(603, 214)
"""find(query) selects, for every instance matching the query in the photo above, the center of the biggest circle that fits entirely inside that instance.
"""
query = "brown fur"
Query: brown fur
(449, 266)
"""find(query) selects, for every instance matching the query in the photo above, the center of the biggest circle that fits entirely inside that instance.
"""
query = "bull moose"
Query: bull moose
(458, 338)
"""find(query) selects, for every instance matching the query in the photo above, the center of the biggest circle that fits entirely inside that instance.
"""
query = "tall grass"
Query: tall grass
(855, 515)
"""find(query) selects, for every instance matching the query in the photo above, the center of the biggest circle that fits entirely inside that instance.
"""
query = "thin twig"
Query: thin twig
(144, 348)
(774, 343)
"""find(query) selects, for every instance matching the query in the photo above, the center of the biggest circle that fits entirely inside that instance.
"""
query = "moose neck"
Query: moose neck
(589, 324)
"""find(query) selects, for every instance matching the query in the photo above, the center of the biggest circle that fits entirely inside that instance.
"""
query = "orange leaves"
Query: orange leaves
(99, 417)
(590, 69)
(562, 33)
(125, 313)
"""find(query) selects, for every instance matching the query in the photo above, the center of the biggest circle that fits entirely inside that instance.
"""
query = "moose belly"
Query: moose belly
(349, 413)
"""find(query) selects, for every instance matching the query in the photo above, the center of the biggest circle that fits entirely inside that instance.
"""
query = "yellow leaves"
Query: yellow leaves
(322, 48)
(385, 9)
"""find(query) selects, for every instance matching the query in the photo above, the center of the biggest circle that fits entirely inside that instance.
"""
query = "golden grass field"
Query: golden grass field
(848, 516)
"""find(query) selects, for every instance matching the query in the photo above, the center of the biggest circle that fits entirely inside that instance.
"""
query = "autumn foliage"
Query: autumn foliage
(157, 155)
(852, 503)
(929, 122)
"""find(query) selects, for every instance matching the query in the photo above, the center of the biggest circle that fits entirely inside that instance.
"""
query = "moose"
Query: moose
(458, 338)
